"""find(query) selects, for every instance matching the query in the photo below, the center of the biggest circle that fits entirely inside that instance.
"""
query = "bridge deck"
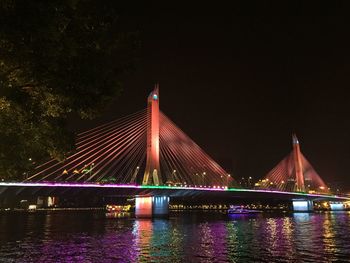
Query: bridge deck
(76, 189)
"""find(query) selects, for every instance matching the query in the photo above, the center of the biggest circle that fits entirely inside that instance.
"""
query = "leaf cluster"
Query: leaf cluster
(57, 58)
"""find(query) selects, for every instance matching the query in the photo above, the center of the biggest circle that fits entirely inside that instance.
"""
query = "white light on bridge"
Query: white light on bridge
(302, 206)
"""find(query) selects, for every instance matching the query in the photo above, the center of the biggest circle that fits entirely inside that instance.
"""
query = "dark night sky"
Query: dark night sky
(240, 79)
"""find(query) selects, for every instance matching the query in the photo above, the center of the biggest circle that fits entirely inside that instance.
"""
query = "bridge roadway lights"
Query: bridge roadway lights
(336, 206)
(151, 206)
(303, 206)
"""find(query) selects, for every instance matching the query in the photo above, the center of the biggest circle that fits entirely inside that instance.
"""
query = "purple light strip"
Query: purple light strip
(87, 185)
(287, 193)
(47, 184)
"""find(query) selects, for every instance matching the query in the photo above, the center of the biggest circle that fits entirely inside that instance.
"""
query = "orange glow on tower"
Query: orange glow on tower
(298, 165)
(152, 171)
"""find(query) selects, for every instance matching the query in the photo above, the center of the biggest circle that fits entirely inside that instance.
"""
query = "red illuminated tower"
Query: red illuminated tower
(298, 165)
(152, 171)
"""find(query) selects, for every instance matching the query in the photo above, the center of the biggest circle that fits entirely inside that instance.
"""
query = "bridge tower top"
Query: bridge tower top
(152, 171)
(298, 164)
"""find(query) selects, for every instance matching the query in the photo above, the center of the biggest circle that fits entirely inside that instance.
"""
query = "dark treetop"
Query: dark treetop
(57, 58)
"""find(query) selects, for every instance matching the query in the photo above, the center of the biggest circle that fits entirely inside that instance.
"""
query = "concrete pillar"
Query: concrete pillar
(52, 201)
(46, 201)
(151, 206)
(336, 206)
(303, 206)
(40, 202)
(143, 206)
(160, 206)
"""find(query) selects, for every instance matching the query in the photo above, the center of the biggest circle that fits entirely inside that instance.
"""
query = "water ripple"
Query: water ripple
(195, 237)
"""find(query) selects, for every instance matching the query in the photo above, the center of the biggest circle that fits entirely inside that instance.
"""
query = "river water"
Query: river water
(88, 236)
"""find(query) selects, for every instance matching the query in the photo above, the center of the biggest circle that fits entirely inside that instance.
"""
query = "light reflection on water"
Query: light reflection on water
(191, 237)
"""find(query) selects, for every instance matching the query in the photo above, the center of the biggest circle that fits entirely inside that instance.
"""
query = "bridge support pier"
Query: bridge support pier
(160, 206)
(151, 206)
(303, 206)
(336, 206)
(46, 201)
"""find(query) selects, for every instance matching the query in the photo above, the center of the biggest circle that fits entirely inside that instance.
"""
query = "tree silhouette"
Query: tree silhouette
(57, 58)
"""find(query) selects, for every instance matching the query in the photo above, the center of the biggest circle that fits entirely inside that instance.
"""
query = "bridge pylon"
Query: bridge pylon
(299, 175)
(294, 173)
(152, 174)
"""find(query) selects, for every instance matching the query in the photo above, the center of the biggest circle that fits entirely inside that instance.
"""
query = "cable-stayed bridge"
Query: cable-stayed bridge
(146, 154)
(295, 174)
(143, 148)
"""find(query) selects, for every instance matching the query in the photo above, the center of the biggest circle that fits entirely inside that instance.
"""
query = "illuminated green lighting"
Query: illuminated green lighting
(156, 187)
